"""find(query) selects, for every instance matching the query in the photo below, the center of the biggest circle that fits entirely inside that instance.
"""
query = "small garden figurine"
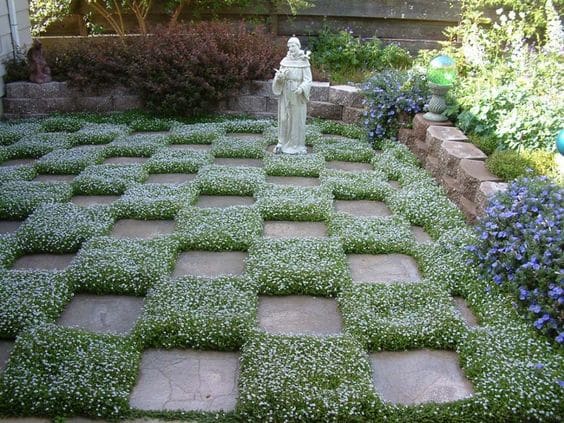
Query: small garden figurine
(292, 84)
(39, 72)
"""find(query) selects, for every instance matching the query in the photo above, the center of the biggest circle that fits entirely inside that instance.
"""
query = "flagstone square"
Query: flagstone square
(44, 261)
(224, 201)
(415, 377)
(299, 181)
(420, 235)
(93, 200)
(187, 380)
(238, 162)
(195, 147)
(467, 314)
(171, 178)
(386, 268)
(142, 229)
(9, 226)
(18, 162)
(210, 264)
(54, 178)
(296, 314)
(288, 229)
(125, 160)
(5, 350)
(102, 313)
(362, 207)
(349, 166)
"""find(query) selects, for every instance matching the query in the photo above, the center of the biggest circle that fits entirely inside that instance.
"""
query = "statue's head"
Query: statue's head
(294, 46)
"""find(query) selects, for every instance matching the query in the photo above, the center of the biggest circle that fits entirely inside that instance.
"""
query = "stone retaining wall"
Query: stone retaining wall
(457, 164)
(26, 99)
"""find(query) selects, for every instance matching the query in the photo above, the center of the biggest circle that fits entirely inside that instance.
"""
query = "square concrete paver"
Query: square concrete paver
(171, 178)
(5, 350)
(93, 200)
(187, 380)
(223, 201)
(420, 235)
(362, 207)
(102, 313)
(18, 162)
(54, 178)
(195, 147)
(142, 229)
(394, 184)
(270, 148)
(297, 181)
(125, 160)
(9, 226)
(210, 264)
(349, 166)
(286, 229)
(245, 136)
(44, 261)
(299, 315)
(465, 312)
(239, 162)
(383, 268)
(414, 377)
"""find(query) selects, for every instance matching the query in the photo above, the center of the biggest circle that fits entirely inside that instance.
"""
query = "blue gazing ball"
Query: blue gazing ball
(560, 142)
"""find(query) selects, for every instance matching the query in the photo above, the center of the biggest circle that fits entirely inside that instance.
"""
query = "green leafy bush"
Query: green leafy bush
(508, 164)
(10, 133)
(201, 133)
(137, 145)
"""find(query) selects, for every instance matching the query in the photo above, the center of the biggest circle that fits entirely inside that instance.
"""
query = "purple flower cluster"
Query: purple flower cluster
(387, 94)
(521, 247)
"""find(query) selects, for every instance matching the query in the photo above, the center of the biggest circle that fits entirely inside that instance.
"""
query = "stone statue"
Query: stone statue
(38, 69)
(292, 84)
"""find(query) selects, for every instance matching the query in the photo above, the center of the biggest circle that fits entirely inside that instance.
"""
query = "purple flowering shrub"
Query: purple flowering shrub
(387, 94)
(521, 246)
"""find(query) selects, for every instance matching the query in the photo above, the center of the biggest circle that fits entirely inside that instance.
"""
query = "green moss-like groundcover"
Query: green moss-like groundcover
(54, 371)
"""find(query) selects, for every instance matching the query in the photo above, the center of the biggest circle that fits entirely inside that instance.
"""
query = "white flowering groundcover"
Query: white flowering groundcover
(56, 371)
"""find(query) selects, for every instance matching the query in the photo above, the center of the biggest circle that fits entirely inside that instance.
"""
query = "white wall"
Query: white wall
(6, 48)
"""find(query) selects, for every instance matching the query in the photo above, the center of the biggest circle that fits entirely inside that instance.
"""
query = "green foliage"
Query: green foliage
(239, 147)
(70, 161)
(508, 164)
(294, 165)
(226, 180)
(356, 185)
(177, 161)
(336, 148)
(278, 202)
(18, 199)
(43, 13)
(61, 124)
(108, 179)
(486, 143)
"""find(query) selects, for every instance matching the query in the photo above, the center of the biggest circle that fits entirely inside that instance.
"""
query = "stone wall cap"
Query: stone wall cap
(446, 133)
(463, 150)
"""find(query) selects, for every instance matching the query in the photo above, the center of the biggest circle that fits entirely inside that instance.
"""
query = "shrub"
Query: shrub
(10, 133)
(98, 133)
(488, 143)
(137, 145)
(520, 249)
(202, 133)
(338, 128)
(508, 164)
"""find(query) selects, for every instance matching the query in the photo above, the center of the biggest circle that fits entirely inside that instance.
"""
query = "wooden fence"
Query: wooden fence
(412, 24)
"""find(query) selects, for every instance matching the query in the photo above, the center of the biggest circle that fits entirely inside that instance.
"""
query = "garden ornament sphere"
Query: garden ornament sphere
(560, 142)
(441, 75)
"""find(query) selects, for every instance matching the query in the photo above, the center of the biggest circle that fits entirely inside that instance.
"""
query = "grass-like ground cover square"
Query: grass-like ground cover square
(62, 228)
(202, 133)
(10, 133)
(177, 161)
(99, 133)
(233, 147)
(107, 265)
(9, 250)
(227, 180)
(61, 124)
(137, 145)
(348, 150)
(277, 202)
(18, 199)
(400, 316)
(356, 185)
(17, 173)
(294, 165)
(219, 229)
(56, 371)
(251, 126)
(154, 201)
(28, 298)
(71, 161)
(371, 235)
(303, 378)
(108, 179)
(299, 266)
(36, 145)
(199, 313)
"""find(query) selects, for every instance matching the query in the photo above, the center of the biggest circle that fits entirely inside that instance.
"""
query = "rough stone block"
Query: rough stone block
(407, 136)
(223, 201)
(452, 187)
(420, 149)
(300, 181)
(9, 226)
(420, 125)
(352, 115)
(420, 235)
(272, 105)
(345, 95)
(5, 350)
(471, 173)
(452, 152)
(60, 104)
(436, 135)
(257, 88)
(325, 110)
(485, 191)
(142, 229)
(210, 264)
(468, 208)
(94, 104)
(171, 178)
(319, 91)
(247, 103)
(44, 261)
(127, 102)
(93, 200)
(16, 89)
(432, 166)
(349, 166)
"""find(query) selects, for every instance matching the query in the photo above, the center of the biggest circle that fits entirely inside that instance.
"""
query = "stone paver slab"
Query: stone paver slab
(239, 162)
(299, 181)
(125, 160)
(223, 201)
(271, 148)
(54, 178)
(287, 229)
(187, 380)
(196, 147)
(420, 235)
(102, 313)
(465, 312)
(383, 268)
(44, 261)
(5, 350)
(142, 229)
(363, 208)
(93, 200)
(171, 178)
(18, 162)
(349, 166)
(210, 263)
(414, 377)
(245, 136)
(9, 226)
(296, 314)
(394, 184)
